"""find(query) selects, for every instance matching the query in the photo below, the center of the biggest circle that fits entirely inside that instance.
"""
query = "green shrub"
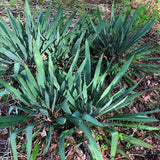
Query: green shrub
(51, 96)
(16, 43)
(118, 42)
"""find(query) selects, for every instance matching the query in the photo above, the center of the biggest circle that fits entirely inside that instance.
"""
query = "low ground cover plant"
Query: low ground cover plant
(74, 97)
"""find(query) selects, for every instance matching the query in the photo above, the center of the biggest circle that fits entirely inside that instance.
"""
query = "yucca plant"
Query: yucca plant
(54, 34)
(118, 41)
(54, 97)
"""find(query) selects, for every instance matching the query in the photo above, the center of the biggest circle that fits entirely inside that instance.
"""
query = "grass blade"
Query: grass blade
(114, 141)
(48, 138)
(8, 121)
(35, 151)
(134, 141)
(41, 78)
(116, 79)
(76, 119)
(89, 118)
(61, 142)
(87, 70)
(13, 142)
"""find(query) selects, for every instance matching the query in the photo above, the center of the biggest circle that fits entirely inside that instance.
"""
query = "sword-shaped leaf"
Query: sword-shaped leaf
(114, 141)
(41, 78)
(116, 79)
(134, 141)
